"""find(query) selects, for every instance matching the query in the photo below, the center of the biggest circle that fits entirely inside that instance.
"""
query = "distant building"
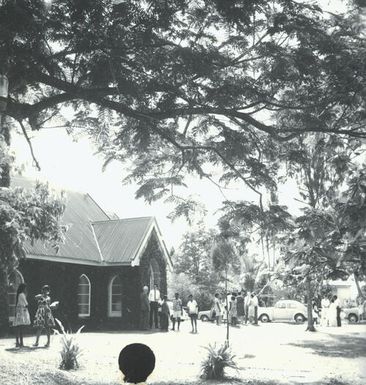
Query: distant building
(98, 273)
(345, 290)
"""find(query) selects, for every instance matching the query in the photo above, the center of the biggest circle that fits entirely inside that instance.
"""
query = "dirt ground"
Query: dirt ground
(275, 353)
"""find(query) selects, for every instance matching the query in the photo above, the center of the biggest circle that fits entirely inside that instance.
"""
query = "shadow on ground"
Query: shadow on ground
(25, 349)
(340, 346)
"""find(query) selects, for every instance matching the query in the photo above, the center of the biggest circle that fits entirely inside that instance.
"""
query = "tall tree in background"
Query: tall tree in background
(321, 165)
(193, 260)
(194, 255)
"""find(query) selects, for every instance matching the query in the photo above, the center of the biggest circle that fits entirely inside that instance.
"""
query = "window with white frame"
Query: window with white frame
(115, 297)
(84, 290)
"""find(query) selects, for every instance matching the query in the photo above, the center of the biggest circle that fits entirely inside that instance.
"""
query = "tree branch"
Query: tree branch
(35, 161)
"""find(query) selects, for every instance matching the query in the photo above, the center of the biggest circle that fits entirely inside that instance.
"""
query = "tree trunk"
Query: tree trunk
(4, 308)
(4, 182)
(309, 292)
(357, 282)
(227, 313)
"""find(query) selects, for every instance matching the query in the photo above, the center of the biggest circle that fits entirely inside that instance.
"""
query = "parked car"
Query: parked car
(352, 315)
(284, 310)
(205, 315)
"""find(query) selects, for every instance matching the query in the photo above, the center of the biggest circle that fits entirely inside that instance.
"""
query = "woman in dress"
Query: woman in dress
(325, 303)
(44, 318)
(21, 314)
(233, 313)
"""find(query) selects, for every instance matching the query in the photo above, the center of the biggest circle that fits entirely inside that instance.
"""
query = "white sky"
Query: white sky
(73, 165)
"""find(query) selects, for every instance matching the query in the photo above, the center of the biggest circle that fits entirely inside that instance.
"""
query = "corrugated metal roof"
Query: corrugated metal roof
(120, 240)
(93, 238)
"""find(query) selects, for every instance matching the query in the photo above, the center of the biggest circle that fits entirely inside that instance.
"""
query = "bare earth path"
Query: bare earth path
(269, 354)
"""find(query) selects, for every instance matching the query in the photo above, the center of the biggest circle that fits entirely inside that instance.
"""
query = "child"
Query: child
(43, 318)
(193, 312)
(165, 314)
(177, 310)
(21, 314)
(136, 362)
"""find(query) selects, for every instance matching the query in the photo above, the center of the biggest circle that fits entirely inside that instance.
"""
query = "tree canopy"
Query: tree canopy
(173, 86)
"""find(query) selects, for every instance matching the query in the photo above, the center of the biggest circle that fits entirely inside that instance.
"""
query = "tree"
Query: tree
(329, 241)
(224, 258)
(352, 227)
(174, 86)
(25, 216)
(193, 257)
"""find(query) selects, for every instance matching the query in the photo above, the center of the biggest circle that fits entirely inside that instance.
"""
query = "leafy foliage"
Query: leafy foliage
(175, 86)
(218, 359)
(27, 215)
(193, 257)
(194, 272)
(70, 349)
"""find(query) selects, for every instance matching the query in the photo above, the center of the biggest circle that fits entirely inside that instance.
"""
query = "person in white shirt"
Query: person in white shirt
(217, 308)
(325, 303)
(255, 303)
(193, 312)
(154, 297)
(247, 302)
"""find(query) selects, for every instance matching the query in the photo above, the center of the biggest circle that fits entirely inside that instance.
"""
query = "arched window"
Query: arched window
(84, 291)
(115, 297)
(154, 272)
(15, 279)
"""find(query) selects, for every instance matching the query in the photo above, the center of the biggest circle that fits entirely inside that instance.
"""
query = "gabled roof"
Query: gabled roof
(119, 240)
(95, 239)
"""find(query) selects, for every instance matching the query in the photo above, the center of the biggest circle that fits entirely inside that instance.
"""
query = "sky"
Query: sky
(73, 165)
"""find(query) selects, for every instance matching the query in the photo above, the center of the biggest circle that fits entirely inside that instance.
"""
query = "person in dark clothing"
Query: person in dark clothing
(165, 314)
(240, 306)
(136, 362)
(144, 309)
(154, 297)
(338, 307)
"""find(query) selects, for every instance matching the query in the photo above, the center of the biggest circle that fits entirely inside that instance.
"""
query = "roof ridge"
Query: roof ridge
(122, 219)
(97, 243)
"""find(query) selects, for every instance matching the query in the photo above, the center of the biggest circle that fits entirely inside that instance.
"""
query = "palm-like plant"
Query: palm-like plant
(70, 349)
(218, 359)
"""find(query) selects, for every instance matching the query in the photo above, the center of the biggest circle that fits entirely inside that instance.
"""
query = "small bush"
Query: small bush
(70, 349)
(219, 358)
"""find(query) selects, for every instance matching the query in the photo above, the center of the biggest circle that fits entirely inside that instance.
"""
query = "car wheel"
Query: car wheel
(264, 318)
(299, 318)
(204, 318)
(352, 318)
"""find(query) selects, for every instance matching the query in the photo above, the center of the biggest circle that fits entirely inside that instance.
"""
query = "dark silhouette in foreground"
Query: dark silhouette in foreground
(136, 362)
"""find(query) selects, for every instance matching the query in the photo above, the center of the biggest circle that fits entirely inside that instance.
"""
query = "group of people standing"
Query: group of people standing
(240, 307)
(43, 318)
(155, 312)
(330, 312)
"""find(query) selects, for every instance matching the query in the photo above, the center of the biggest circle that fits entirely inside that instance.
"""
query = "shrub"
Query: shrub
(70, 349)
(219, 358)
